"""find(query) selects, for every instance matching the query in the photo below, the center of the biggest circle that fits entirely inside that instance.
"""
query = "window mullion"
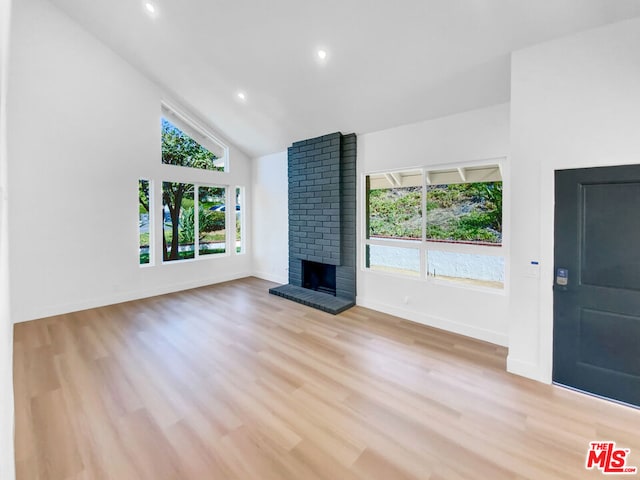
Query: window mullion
(196, 220)
(423, 250)
(424, 205)
(229, 231)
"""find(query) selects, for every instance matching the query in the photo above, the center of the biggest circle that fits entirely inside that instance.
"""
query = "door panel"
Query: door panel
(599, 335)
(597, 307)
(608, 256)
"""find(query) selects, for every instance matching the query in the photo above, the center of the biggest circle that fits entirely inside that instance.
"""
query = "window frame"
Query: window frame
(423, 244)
(199, 178)
(196, 223)
(243, 215)
(150, 223)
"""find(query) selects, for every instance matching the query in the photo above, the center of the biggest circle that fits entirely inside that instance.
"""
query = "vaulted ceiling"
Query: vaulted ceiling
(388, 63)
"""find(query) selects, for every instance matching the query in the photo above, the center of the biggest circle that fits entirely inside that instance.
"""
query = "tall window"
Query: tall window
(239, 220)
(437, 224)
(179, 227)
(144, 221)
(186, 144)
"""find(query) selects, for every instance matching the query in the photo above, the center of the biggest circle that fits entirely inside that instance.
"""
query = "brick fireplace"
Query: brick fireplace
(322, 231)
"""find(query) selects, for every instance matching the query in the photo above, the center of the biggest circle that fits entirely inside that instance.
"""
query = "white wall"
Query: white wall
(7, 465)
(83, 128)
(270, 228)
(575, 102)
(475, 135)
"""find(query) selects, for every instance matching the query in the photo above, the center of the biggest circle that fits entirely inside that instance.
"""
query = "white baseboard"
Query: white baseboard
(121, 297)
(526, 369)
(437, 322)
(271, 277)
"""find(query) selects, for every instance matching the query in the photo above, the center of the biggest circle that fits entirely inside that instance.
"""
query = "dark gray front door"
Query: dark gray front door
(596, 344)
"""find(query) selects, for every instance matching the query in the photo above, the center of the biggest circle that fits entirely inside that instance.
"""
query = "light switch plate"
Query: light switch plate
(532, 270)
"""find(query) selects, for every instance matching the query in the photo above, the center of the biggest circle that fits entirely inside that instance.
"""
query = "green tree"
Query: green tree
(143, 194)
(172, 195)
(180, 149)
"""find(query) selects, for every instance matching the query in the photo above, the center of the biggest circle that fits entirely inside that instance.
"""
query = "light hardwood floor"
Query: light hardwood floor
(228, 382)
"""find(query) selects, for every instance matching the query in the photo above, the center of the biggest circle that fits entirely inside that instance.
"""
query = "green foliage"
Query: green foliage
(443, 196)
(210, 221)
(457, 212)
(186, 255)
(493, 195)
(465, 212)
(188, 202)
(143, 196)
(471, 227)
(187, 226)
(144, 239)
(178, 148)
(144, 257)
(211, 251)
(213, 237)
(211, 195)
(395, 212)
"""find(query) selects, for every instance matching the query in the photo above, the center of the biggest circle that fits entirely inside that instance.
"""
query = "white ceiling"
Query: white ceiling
(390, 62)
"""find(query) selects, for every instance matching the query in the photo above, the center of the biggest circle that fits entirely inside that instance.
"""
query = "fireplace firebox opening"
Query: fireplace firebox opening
(320, 277)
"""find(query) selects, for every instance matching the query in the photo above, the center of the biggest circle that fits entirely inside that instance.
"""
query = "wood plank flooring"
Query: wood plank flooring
(227, 382)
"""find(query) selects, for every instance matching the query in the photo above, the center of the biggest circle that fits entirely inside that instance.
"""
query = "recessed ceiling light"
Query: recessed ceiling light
(242, 96)
(150, 7)
(322, 54)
